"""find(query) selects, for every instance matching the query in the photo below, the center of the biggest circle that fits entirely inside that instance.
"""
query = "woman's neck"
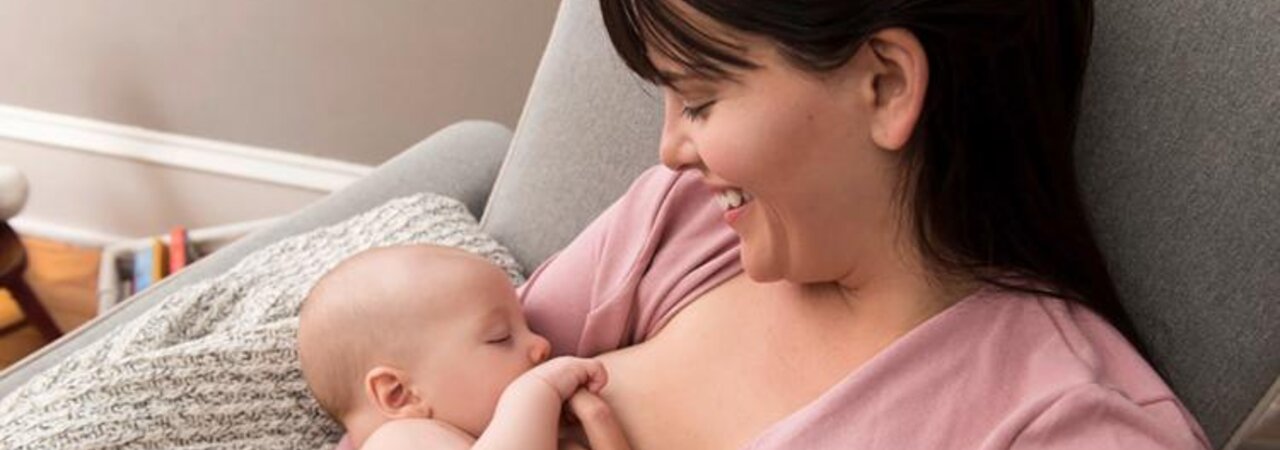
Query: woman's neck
(897, 291)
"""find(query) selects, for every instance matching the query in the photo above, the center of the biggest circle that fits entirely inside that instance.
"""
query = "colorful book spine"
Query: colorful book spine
(178, 245)
(159, 260)
(141, 269)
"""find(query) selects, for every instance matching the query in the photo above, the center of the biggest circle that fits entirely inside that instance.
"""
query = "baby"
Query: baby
(421, 346)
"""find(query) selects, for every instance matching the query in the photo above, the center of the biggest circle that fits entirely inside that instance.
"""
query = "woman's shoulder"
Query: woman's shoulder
(1094, 415)
(1075, 377)
(1058, 342)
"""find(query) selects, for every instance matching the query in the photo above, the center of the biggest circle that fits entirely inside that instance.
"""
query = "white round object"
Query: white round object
(13, 191)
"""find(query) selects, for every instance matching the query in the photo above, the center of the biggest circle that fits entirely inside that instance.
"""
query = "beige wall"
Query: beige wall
(99, 199)
(343, 79)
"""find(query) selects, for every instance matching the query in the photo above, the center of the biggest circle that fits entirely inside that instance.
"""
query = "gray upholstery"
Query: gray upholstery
(1179, 151)
(588, 129)
(460, 161)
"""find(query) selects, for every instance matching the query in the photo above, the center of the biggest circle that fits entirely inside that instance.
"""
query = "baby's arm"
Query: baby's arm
(528, 414)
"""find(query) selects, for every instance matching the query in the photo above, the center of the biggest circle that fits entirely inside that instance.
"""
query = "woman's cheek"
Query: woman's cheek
(741, 150)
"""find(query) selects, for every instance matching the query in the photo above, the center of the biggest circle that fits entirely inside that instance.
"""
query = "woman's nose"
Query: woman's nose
(677, 153)
(676, 149)
(540, 350)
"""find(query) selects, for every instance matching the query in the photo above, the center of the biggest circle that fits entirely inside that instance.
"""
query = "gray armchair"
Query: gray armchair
(1179, 151)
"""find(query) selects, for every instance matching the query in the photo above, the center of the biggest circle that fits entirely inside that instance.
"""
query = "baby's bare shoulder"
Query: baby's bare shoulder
(405, 434)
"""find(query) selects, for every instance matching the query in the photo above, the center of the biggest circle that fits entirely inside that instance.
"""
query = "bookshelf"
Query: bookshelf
(120, 261)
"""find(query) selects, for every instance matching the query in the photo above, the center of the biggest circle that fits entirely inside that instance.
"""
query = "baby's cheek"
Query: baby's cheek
(492, 385)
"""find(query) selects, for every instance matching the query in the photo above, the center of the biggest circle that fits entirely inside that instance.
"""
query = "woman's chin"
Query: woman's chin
(761, 270)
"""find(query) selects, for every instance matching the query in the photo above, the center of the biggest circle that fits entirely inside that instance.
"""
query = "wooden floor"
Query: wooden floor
(65, 277)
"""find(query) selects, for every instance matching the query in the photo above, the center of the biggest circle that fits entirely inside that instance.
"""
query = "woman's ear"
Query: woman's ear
(389, 391)
(899, 77)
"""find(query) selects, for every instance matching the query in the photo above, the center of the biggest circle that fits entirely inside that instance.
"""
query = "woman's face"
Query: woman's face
(818, 192)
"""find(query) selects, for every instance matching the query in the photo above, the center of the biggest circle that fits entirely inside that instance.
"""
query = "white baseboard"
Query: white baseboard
(71, 235)
(174, 150)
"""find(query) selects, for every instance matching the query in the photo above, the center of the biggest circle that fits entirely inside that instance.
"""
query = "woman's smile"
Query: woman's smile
(734, 202)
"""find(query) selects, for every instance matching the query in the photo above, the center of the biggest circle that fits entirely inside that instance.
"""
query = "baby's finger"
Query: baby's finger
(598, 377)
(567, 374)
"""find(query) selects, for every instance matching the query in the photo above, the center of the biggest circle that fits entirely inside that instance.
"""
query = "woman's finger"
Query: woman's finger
(598, 421)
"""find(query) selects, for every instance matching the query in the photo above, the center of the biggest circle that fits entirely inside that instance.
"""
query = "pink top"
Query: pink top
(997, 370)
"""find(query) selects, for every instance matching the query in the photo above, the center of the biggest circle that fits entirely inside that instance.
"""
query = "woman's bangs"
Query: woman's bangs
(636, 26)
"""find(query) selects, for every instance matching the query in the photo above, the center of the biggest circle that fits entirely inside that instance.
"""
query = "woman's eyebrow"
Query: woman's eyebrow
(675, 80)
(673, 76)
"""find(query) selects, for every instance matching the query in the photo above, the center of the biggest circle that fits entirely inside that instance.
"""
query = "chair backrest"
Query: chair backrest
(1179, 154)
(1178, 157)
(589, 127)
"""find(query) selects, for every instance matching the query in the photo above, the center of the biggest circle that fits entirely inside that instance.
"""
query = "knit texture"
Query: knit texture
(216, 365)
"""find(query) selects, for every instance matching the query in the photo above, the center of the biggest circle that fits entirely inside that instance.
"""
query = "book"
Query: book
(159, 260)
(178, 257)
(141, 269)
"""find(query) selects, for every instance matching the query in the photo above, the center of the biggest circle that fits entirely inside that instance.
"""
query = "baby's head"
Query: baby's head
(414, 331)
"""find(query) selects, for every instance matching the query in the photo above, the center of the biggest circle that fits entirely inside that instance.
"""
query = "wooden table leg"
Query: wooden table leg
(31, 307)
(13, 263)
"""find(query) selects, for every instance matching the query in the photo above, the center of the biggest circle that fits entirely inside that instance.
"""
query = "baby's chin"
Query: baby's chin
(480, 420)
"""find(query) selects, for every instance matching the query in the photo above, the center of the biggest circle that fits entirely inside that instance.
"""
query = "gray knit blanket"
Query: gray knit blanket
(215, 365)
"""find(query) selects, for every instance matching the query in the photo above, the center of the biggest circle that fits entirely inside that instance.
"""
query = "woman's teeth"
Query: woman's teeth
(732, 198)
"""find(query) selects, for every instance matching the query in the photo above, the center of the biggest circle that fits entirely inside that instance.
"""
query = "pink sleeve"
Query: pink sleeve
(658, 247)
(1094, 417)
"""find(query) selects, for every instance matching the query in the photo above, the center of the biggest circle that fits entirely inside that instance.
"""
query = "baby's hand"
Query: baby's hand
(530, 408)
(566, 374)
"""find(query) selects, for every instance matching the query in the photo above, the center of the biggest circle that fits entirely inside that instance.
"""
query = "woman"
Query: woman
(867, 235)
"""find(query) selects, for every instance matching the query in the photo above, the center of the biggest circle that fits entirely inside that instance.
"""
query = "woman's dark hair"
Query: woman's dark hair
(992, 182)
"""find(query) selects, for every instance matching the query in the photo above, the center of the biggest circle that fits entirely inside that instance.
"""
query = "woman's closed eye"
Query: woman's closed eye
(698, 112)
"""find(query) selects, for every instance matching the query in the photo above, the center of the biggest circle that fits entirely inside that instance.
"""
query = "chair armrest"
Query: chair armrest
(460, 161)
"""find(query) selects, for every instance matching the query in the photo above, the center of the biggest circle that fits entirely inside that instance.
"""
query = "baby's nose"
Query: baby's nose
(540, 350)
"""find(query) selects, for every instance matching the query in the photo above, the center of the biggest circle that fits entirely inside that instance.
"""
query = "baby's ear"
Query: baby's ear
(389, 390)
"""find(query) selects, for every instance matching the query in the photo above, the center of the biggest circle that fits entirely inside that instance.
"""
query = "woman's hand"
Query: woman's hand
(598, 424)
